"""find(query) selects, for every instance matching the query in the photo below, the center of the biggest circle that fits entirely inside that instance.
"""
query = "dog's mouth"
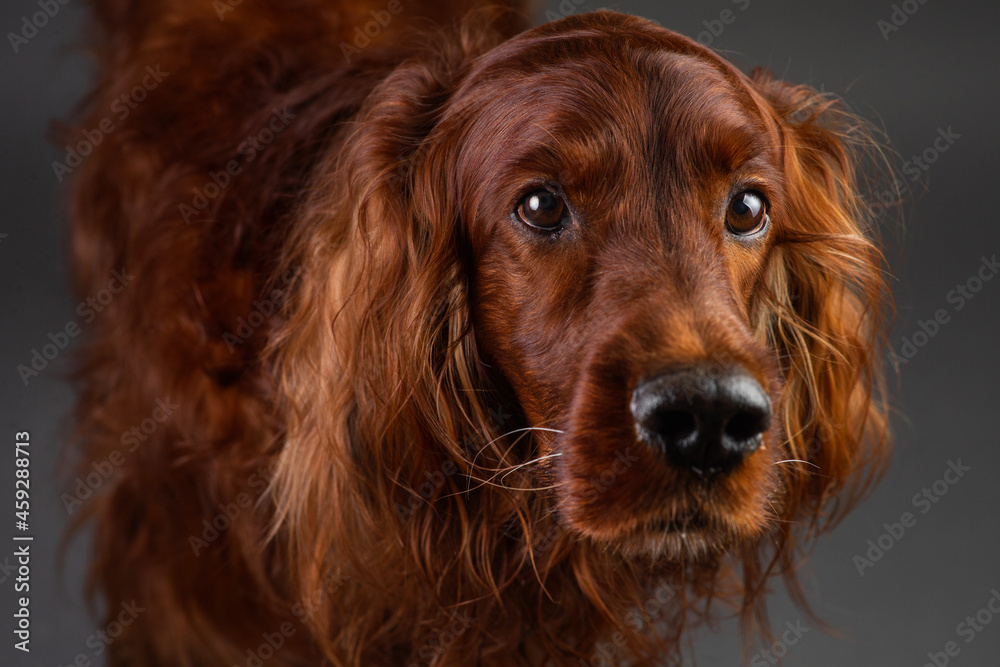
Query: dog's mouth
(680, 465)
(687, 522)
(688, 534)
(654, 511)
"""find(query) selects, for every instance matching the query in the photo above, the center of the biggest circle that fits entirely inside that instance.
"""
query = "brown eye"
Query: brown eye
(747, 213)
(542, 210)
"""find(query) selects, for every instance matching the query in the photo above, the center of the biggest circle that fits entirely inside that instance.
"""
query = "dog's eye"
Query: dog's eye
(747, 213)
(542, 210)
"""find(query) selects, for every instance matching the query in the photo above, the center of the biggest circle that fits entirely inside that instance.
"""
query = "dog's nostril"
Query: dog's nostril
(746, 425)
(673, 424)
(702, 420)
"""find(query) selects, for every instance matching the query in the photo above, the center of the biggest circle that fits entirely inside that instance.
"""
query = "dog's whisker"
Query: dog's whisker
(524, 430)
(527, 463)
(808, 463)
(489, 482)
(508, 470)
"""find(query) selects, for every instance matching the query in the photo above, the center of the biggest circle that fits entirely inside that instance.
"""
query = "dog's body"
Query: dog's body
(478, 349)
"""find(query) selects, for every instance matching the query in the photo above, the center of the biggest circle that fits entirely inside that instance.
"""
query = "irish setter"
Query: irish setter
(450, 342)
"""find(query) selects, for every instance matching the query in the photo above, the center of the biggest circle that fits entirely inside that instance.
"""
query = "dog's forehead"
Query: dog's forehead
(601, 83)
(603, 106)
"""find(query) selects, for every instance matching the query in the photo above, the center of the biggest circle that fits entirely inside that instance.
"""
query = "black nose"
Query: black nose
(705, 421)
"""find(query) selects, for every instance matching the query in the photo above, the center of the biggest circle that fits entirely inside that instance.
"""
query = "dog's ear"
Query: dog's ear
(825, 303)
(376, 359)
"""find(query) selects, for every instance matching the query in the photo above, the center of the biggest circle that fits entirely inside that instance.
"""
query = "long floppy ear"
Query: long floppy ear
(378, 364)
(825, 305)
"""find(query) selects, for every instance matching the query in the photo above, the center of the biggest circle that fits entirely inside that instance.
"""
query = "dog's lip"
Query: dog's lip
(690, 534)
(691, 521)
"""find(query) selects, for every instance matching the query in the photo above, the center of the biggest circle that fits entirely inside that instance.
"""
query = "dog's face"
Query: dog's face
(619, 206)
(666, 262)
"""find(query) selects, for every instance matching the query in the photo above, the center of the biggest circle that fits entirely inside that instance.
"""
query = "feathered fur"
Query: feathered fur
(396, 401)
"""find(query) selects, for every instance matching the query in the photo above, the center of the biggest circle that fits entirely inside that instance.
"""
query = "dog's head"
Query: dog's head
(662, 263)
(622, 193)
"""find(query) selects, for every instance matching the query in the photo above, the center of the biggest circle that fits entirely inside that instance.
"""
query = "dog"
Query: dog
(450, 341)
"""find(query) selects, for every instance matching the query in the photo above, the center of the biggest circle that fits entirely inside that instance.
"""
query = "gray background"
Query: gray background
(937, 71)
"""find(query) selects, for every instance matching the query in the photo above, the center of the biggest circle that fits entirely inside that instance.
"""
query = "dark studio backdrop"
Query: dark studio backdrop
(908, 578)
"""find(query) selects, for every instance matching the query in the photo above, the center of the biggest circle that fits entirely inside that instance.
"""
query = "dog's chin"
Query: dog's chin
(693, 536)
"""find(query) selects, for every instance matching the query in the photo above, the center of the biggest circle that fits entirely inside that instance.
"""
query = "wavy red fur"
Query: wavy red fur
(430, 421)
